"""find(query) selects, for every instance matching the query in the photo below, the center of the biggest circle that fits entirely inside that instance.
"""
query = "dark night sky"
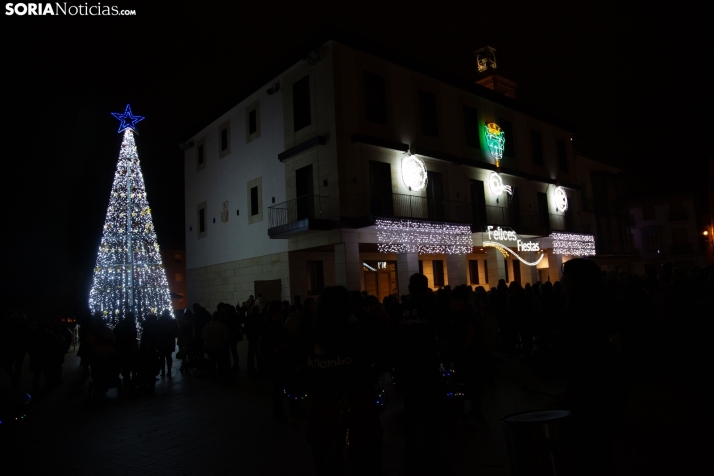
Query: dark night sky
(632, 80)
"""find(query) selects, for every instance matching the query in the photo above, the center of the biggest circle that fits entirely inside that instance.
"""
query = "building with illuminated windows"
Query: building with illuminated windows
(354, 166)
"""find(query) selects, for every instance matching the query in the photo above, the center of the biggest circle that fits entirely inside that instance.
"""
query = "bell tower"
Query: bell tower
(487, 67)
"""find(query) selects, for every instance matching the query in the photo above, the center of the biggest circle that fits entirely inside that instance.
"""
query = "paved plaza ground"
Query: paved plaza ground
(193, 425)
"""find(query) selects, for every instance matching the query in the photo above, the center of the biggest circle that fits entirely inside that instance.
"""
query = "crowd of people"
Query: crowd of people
(335, 348)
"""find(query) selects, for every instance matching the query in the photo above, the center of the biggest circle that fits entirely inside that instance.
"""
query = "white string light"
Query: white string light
(414, 173)
(573, 244)
(561, 200)
(495, 184)
(406, 236)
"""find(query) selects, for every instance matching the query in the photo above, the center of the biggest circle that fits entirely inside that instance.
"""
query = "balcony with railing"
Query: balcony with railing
(681, 249)
(398, 205)
(309, 212)
(677, 214)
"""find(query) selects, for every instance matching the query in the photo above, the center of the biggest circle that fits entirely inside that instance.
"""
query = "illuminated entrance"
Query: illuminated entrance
(380, 278)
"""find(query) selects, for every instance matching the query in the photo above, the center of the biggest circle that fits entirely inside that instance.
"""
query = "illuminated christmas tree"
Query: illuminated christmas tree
(129, 275)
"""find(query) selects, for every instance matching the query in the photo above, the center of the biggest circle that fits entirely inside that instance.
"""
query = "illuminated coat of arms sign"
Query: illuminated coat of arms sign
(495, 184)
(414, 173)
(496, 141)
(561, 200)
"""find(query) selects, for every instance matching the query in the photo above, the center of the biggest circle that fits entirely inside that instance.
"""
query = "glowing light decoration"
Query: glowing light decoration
(573, 244)
(561, 200)
(495, 184)
(128, 120)
(496, 141)
(406, 236)
(510, 236)
(414, 173)
(129, 274)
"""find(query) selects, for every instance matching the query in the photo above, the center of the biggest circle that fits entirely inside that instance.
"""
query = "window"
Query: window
(537, 147)
(508, 150)
(505, 267)
(315, 278)
(648, 212)
(224, 139)
(375, 98)
(485, 270)
(428, 115)
(676, 211)
(679, 236)
(472, 132)
(651, 240)
(201, 219)
(200, 154)
(514, 207)
(543, 216)
(301, 104)
(473, 271)
(478, 202)
(562, 156)
(252, 122)
(178, 277)
(178, 258)
(438, 266)
(517, 271)
(255, 200)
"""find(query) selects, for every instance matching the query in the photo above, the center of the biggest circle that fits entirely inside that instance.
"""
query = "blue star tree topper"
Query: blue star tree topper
(128, 120)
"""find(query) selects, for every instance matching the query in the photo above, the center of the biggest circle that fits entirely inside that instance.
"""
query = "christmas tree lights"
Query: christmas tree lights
(129, 274)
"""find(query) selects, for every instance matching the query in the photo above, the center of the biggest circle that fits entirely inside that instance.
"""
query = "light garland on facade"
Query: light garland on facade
(406, 236)
(129, 243)
(496, 141)
(573, 244)
(496, 186)
(561, 199)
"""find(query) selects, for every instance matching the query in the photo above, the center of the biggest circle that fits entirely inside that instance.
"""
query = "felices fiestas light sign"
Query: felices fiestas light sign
(501, 240)
(509, 235)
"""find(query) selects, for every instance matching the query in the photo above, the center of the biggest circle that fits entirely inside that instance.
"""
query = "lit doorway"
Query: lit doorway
(380, 278)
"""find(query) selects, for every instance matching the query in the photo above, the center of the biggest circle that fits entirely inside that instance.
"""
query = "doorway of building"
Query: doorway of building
(380, 183)
(271, 290)
(435, 195)
(380, 278)
(304, 192)
(517, 271)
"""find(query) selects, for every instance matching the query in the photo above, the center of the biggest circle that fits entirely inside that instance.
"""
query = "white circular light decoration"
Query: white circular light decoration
(561, 200)
(495, 184)
(414, 173)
